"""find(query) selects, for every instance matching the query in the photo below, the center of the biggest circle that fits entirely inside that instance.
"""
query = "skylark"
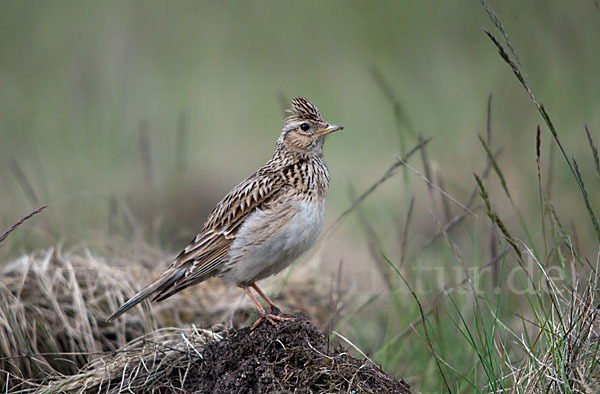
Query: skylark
(264, 223)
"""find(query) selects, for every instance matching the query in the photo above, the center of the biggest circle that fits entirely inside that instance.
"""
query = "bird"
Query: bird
(263, 224)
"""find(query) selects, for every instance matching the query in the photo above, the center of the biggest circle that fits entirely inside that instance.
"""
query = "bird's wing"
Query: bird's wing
(202, 258)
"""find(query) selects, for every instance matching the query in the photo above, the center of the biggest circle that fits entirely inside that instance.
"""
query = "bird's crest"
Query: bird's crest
(304, 109)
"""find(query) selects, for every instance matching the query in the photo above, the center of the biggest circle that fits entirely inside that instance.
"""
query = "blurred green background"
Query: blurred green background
(87, 87)
(152, 111)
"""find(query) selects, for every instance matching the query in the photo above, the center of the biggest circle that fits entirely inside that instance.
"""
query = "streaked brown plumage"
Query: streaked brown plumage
(264, 223)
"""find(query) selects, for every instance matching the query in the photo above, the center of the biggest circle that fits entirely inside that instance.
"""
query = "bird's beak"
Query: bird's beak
(329, 129)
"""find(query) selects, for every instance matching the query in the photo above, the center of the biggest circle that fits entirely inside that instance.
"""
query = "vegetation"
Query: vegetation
(463, 255)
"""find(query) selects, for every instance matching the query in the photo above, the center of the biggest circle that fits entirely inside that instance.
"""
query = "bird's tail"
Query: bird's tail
(163, 282)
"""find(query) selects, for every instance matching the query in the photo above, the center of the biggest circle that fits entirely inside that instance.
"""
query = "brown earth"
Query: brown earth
(292, 357)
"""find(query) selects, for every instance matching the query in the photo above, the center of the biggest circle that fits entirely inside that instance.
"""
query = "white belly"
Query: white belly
(269, 241)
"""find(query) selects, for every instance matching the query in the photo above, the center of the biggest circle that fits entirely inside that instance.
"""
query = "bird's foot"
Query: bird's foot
(271, 317)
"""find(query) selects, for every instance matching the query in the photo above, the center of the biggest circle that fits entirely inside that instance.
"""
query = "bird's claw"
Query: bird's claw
(270, 317)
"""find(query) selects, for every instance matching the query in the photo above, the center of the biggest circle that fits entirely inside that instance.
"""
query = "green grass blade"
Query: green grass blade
(424, 319)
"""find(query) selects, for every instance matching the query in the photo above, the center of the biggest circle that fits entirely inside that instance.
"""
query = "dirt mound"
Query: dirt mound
(293, 357)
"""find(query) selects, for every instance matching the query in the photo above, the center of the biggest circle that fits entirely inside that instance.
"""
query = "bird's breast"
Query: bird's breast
(304, 227)
(271, 239)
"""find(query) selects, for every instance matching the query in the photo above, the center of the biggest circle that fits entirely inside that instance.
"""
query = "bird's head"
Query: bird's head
(305, 130)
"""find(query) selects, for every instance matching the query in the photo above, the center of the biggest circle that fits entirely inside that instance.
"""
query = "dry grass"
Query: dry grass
(153, 360)
(569, 357)
(52, 310)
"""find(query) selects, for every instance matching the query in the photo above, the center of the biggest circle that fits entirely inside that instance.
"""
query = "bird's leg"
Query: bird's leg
(263, 314)
(264, 297)
(274, 309)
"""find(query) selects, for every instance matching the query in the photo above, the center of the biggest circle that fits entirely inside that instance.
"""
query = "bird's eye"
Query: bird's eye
(304, 127)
